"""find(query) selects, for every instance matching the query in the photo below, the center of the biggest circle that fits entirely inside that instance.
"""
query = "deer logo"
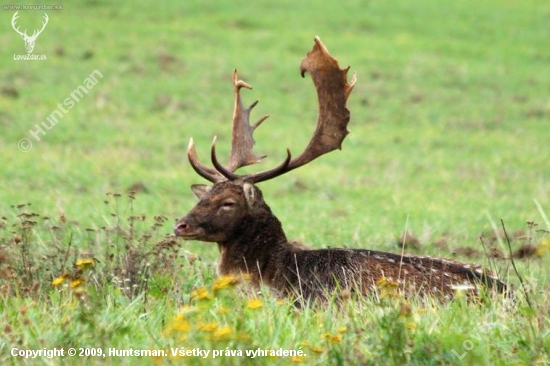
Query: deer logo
(29, 40)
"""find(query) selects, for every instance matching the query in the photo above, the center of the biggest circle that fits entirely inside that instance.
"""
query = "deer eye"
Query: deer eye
(228, 204)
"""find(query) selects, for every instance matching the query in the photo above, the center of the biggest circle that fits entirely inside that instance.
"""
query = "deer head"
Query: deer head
(222, 210)
(29, 40)
(233, 197)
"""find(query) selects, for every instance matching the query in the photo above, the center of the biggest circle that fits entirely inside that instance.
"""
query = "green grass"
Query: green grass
(449, 136)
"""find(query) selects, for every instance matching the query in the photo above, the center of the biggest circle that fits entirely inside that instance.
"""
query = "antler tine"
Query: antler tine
(13, 22)
(220, 168)
(333, 91)
(232, 176)
(242, 141)
(204, 171)
(43, 24)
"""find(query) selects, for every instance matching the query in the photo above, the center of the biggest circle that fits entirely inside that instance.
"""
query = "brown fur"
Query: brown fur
(251, 240)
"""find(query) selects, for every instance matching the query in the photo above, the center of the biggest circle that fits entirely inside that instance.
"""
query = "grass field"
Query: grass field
(449, 139)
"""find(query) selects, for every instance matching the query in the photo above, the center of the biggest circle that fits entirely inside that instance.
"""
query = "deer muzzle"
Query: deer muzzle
(187, 230)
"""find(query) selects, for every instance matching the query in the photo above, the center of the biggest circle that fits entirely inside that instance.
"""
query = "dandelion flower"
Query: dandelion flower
(332, 338)
(384, 282)
(381, 281)
(85, 263)
(207, 327)
(76, 283)
(223, 282)
(297, 359)
(254, 303)
(222, 332)
(311, 347)
(180, 324)
(201, 293)
(58, 281)
(317, 349)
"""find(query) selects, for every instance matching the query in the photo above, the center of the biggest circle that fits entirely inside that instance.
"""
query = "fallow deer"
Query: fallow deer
(251, 240)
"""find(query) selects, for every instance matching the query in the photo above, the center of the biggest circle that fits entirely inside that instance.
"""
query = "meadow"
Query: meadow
(449, 143)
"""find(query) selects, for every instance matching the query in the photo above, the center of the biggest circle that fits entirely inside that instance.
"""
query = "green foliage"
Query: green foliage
(448, 136)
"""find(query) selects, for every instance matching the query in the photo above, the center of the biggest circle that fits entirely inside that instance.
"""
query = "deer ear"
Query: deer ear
(200, 190)
(249, 194)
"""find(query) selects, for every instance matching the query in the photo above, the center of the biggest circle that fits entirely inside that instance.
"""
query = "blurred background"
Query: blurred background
(450, 127)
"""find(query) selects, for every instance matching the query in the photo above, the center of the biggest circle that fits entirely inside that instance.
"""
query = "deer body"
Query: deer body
(251, 240)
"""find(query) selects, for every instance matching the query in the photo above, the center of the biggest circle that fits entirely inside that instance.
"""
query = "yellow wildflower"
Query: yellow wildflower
(223, 282)
(317, 349)
(254, 303)
(201, 293)
(180, 324)
(311, 347)
(85, 263)
(543, 247)
(207, 327)
(332, 338)
(76, 282)
(381, 281)
(297, 359)
(386, 282)
(342, 329)
(222, 332)
(59, 280)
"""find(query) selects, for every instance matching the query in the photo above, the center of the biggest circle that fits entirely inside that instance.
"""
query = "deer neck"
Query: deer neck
(255, 242)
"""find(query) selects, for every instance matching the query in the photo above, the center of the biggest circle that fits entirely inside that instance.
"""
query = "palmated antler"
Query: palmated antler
(242, 141)
(332, 91)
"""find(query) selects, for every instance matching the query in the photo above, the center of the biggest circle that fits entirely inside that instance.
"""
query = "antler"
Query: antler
(13, 19)
(43, 26)
(242, 141)
(332, 91)
(36, 33)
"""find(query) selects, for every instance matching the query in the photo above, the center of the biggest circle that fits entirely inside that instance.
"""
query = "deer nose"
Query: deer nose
(180, 227)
